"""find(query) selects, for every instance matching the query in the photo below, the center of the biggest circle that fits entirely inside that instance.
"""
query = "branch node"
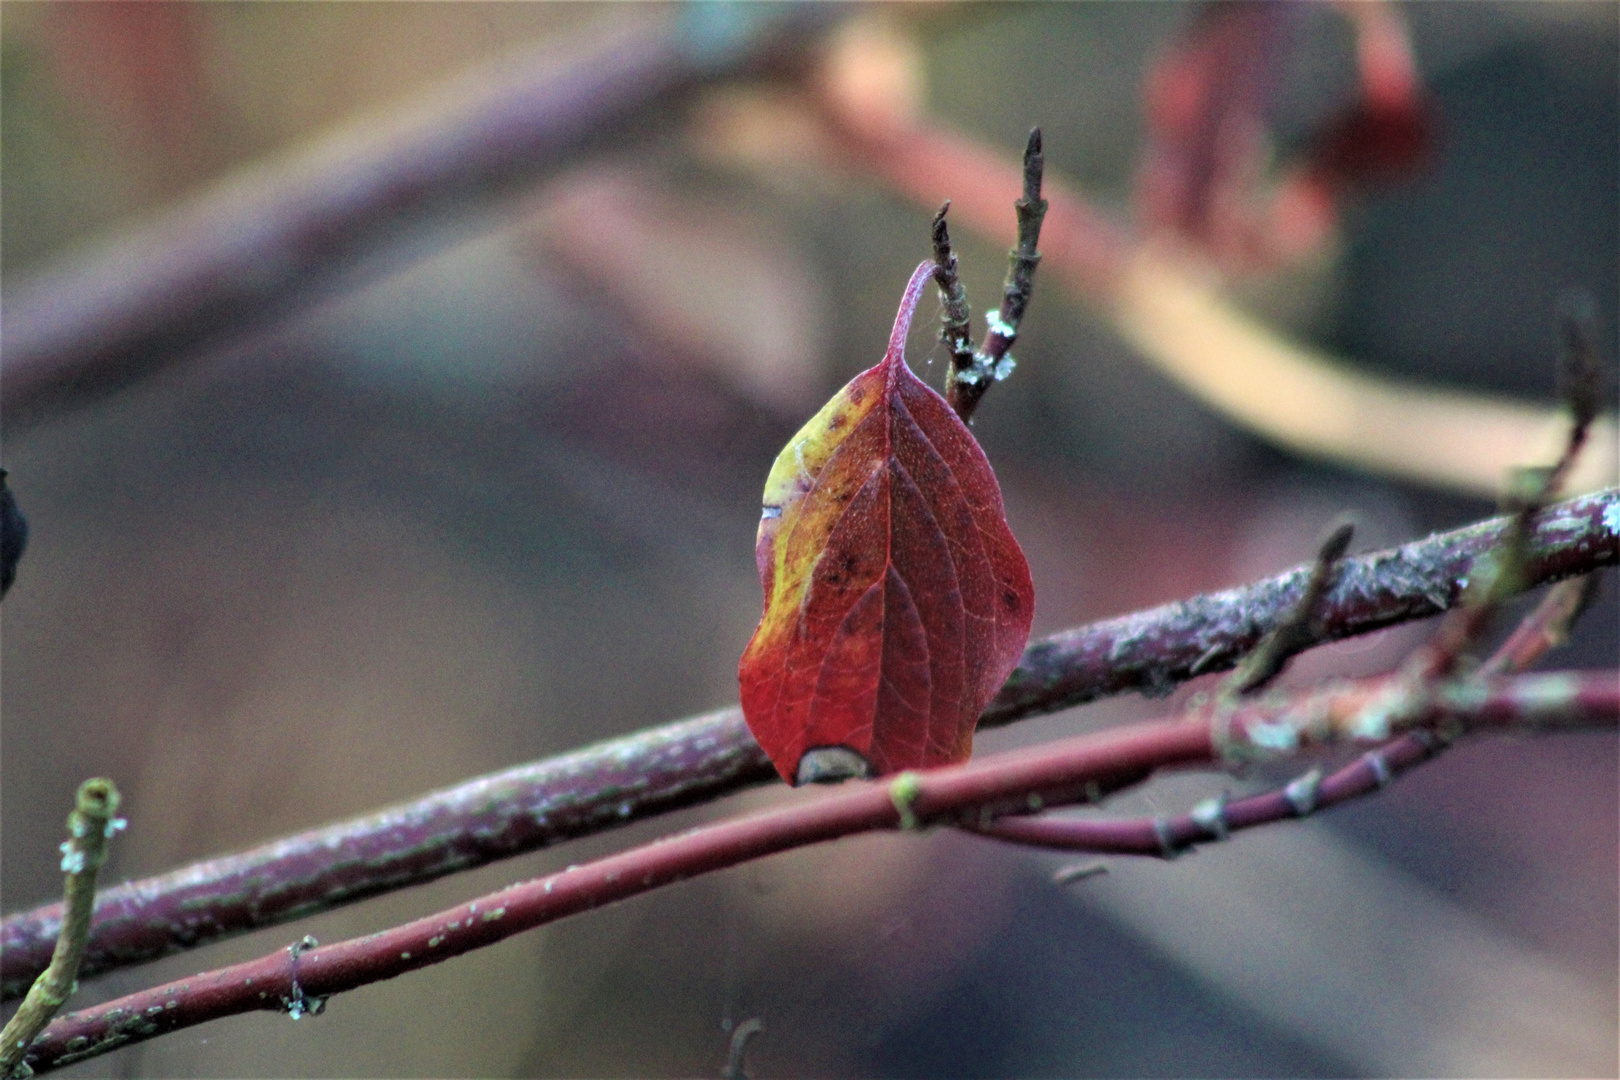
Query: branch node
(1167, 842)
(1383, 776)
(1304, 792)
(299, 1005)
(903, 792)
(1210, 815)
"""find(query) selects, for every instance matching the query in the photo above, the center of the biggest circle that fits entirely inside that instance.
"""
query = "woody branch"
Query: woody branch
(661, 769)
(975, 795)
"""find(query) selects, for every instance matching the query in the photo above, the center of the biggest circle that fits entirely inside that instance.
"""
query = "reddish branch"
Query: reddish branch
(301, 977)
(1216, 819)
(251, 249)
(1154, 650)
(650, 772)
(1377, 706)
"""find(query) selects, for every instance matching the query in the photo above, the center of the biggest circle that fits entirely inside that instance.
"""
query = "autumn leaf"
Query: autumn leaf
(896, 600)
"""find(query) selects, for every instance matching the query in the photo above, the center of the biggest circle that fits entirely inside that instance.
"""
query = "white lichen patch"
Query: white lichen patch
(1545, 692)
(1273, 738)
(1210, 815)
(1303, 792)
(72, 858)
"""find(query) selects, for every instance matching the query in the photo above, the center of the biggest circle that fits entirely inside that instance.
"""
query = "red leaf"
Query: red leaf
(896, 599)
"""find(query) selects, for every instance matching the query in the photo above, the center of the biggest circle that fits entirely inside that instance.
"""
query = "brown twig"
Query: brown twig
(1580, 380)
(993, 361)
(1504, 572)
(955, 316)
(92, 823)
(650, 772)
(1298, 629)
(975, 794)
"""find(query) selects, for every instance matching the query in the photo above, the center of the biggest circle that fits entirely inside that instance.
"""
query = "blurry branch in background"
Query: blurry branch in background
(93, 821)
(974, 796)
(650, 772)
(266, 238)
(260, 242)
(1160, 295)
(1206, 178)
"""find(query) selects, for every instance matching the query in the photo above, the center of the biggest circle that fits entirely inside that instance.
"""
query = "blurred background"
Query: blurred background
(489, 493)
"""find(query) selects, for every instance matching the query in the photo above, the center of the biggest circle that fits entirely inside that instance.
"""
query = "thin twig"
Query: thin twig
(1505, 572)
(1053, 774)
(650, 772)
(1544, 628)
(1298, 629)
(1580, 380)
(993, 361)
(92, 823)
(1341, 711)
(1024, 257)
(955, 317)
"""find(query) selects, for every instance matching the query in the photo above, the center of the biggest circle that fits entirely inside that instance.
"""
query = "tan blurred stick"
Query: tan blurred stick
(92, 823)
